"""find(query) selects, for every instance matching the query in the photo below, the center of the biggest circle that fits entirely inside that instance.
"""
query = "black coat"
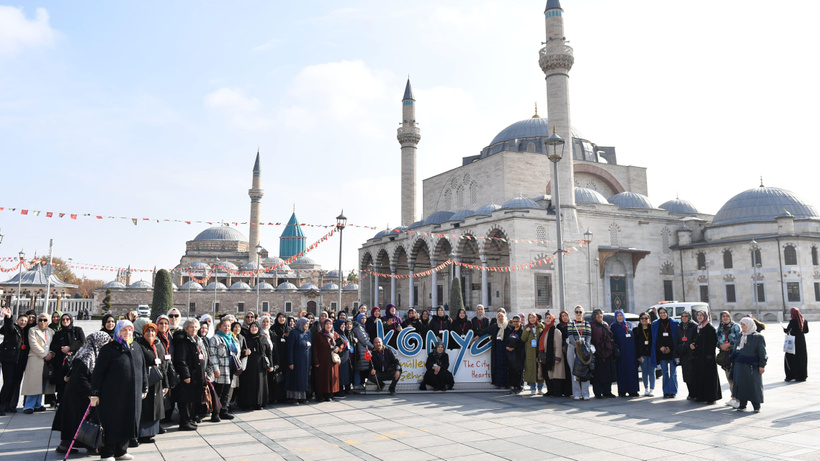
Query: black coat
(498, 362)
(444, 378)
(74, 338)
(253, 382)
(461, 327)
(683, 352)
(796, 365)
(515, 358)
(370, 327)
(75, 401)
(384, 361)
(119, 380)
(12, 350)
(188, 364)
(440, 326)
(705, 381)
(153, 407)
(479, 324)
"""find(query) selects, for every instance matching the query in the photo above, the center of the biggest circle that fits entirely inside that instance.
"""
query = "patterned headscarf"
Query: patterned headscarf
(118, 332)
(88, 353)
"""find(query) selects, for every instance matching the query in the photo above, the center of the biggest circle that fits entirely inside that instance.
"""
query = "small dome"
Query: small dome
(240, 286)
(221, 233)
(521, 203)
(415, 224)
(487, 210)
(331, 286)
(265, 286)
(192, 285)
(351, 287)
(140, 285)
(462, 215)
(762, 204)
(584, 195)
(284, 269)
(304, 260)
(219, 287)
(678, 206)
(114, 285)
(308, 286)
(382, 233)
(272, 261)
(227, 266)
(332, 274)
(630, 200)
(249, 267)
(285, 286)
(438, 217)
(200, 266)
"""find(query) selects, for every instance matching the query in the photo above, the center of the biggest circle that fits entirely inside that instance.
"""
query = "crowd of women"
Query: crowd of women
(131, 374)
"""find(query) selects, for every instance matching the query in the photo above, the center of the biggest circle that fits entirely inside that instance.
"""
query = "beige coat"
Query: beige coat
(558, 371)
(39, 342)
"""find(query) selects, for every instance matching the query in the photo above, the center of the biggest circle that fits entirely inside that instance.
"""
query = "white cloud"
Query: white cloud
(18, 32)
(243, 112)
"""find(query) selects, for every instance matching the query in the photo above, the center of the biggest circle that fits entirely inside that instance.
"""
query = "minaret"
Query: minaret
(256, 193)
(556, 61)
(409, 136)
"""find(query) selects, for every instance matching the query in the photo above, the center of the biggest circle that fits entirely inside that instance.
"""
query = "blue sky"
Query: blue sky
(156, 109)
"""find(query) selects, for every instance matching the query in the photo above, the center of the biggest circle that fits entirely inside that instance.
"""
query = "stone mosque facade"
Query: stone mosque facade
(758, 254)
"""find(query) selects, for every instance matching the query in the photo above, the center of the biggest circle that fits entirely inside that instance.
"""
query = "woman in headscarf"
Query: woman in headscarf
(370, 324)
(412, 320)
(392, 322)
(605, 368)
(705, 381)
(34, 386)
(223, 350)
(296, 376)
(363, 344)
(424, 323)
(344, 355)
(164, 336)
(461, 326)
(77, 391)
(514, 351)
(266, 323)
(325, 370)
(55, 321)
(578, 330)
(440, 324)
(153, 405)
(109, 322)
(565, 389)
(749, 364)
(253, 382)
(664, 344)
(190, 363)
(628, 361)
(236, 332)
(480, 321)
(175, 317)
(279, 336)
(13, 357)
(687, 329)
(438, 374)
(643, 350)
(728, 335)
(796, 364)
(498, 355)
(67, 341)
(532, 332)
(551, 357)
(118, 385)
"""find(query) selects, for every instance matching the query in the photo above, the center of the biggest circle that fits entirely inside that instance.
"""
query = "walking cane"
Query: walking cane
(68, 452)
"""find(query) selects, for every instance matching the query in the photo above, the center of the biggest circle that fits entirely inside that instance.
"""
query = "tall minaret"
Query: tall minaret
(256, 193)
(409, 136)
(556, 60)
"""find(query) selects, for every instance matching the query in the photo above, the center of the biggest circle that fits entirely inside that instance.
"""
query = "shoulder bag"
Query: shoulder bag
(154, 375)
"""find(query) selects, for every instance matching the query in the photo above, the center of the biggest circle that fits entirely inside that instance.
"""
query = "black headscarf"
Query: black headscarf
(281, 330)
(70, 326)
(104, 320)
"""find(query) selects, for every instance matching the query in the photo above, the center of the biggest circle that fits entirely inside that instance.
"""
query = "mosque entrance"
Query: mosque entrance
(311, 308)
(617, 292)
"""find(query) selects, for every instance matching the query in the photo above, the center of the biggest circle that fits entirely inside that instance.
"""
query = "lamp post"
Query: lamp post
(754, 248)
(341, 222)
(258, 270)
(189, 291)
(373, 293)
(587, 241)
(48, 276)
(705, 267)
(216, 281)
(597, 286)
(19, 283)
(555, 155)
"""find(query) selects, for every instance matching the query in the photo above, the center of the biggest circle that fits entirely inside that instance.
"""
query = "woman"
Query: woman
(109, 322)
(236, 332)
(514, 348)
(551, 357)
(296, 376)
(424, 323)
(683, 353)
(190, 363)
(461, 326)
(344, 355)
(13, 359)
(796, 364)
(605, 367)
(643, 350)
(174, 316)
(118, 385)
(578, 330)
(34, 386)
(55, 321)
(749, 364)
(222, 354)
(370, 324)
(565, 388)
(440, 325)
(532, 332)
(628, 361)
(438, 370)
(279, 336)
(153, 405)
(498, 354)
(253, 382)
(479, 322)
(77, 391)
(266, 323)
(67, 341)
(728, 335)
(664, 344)
(392, 322)
(363, 344)
(164, 336)
(412, 320)
(706, 384)
(326, 371)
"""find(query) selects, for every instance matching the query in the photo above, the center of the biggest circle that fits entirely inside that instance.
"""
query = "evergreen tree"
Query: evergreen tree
(107, 301)
(456, 301)
(163, 292)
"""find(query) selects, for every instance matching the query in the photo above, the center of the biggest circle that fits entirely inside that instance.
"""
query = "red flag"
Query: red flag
(73, 216)
(24, 212)
(49, 214)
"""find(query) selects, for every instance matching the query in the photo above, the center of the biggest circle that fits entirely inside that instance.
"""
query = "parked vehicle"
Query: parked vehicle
(675, 308)
(144, 310)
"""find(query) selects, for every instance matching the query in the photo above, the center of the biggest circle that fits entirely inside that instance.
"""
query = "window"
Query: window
(415, 295)
(731, 296)
(668, 293)
(288, 306)
(333, 307)
(448, 200)
(793, 292)
(727, 259)
(701, 260)
(704, 293)
(790, 255)
(756, 259)
(543, 291)
(192, 307)
(240, 307)
(356, 306)
(541, 235)
(761, 292)
(216, 306)
(814, 261)
(265, 306)
(817, 291)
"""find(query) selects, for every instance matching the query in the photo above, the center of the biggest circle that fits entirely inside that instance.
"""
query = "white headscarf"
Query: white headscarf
(750, 328)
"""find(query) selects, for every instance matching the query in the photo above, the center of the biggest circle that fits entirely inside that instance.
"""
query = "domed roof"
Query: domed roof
(627, 200)
(521, 203)
(286, 286)
(308, 286)
(228, 266)
(265, 286)
(382, 233)
(438, 217)
(221, 233)
(331, 286)
(351, 287)
(199, 265)
(528, 129)
(584, 195)
(462, 215)
(762, 204)
(272, 261)
(416, 224)
(487, 210)
(114, 284)
(332, 274)
(219, 287)
(678, 206)
(240, 286)
(141, 285)
(304, 261)
(193, 286)
(249, 267)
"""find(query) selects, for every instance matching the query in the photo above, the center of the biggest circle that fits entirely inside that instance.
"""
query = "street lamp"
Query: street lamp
(341, 222)
(755, 248)
(19, 283)
(705, 267)
(597, 277)
(555, 155)
(258, 270)
(216, 281)
(588, 240)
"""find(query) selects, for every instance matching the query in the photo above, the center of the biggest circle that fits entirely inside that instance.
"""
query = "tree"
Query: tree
(86, 287)
(456, 301)
(163, 292)
(62, 271)
(107, 301)
(353, 277)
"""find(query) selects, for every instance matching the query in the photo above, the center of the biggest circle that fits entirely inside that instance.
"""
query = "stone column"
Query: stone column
(484, 294)
(434, 285)
(393, 285)
(411, 282)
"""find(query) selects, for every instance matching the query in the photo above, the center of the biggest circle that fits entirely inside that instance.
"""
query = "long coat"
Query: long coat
(189, 362)
(558, 370)
(530, 339)
(296, 380)
(363, 344)
(153, 407)
(325, 372)
(705, 381)
(796, 365)
(119, 380)
(75, 401)
(253, 382)
(628, 363)
(12, 350)
(685, 337)
(498, 356)
(38, 343)
(748, 382)
(74, 338)
(444, 379)
(605, 368)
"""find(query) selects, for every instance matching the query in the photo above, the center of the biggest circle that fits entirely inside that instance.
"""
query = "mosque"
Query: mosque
(497, 212)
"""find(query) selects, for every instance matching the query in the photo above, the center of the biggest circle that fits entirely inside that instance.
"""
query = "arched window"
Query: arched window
(614, 229)
(459, 197)
(756, 259)
(541, 235)
(814, 261)
(701, 260)
(790, 255)
(448, 200)
(727, 259)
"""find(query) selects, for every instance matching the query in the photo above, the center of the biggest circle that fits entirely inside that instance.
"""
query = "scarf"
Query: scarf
(750, 328)
(280, 329)
(501, 328)
(229, 341)
(796, 315)
(118, 332)
(89, 352)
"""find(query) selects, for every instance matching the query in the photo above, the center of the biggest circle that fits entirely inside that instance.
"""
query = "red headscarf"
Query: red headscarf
(796, 315)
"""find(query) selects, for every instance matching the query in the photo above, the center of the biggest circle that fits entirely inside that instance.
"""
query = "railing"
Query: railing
(72, 305)
(567, 51)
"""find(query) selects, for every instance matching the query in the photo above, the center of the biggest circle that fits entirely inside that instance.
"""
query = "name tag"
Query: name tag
(201, 357)
(646, 343)
(533, 343)
(282, 340)
(684, 338)
(308, 343)
(157, 361)
(167, 356)
(666, 334)
(628, 335)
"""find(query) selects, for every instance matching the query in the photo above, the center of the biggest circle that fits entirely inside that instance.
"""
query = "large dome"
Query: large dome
(221, 233)
(629, 200)
(584, 195)
(517, 137)
(762, 204)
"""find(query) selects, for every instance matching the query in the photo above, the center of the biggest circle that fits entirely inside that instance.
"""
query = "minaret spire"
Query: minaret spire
(255, 193)
(409, 136)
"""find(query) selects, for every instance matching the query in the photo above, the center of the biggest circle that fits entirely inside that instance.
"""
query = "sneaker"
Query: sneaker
(40, 409)
(651, 393)
(125, 456)
(735, 403)
(110, 458)
(28, 411)
(575, 397)
(646, 393)
(731, 403)
(757, 410)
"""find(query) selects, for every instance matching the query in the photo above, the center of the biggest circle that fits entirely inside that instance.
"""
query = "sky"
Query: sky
(156, 109)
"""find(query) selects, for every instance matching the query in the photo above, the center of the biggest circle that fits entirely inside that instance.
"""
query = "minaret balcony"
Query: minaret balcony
(553, 59)
(408, 135)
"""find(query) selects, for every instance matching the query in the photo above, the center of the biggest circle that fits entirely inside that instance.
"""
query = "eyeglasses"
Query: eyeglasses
(579, 312)
(644, 318)
(42, 320)
(66, 320)
(173, 316)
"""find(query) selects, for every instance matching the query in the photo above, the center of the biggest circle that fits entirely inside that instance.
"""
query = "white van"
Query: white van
(675, 308)
(144, 310)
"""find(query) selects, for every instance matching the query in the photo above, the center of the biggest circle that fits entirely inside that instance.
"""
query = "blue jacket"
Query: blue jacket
(673, 329)
(733, 336)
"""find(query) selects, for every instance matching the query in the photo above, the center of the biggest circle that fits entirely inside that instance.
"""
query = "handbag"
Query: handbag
(236, 366)
(88, 433)
(278, 376)
(154, 375)
(48, 369)
(722, 359)
(788, 345)
(173, 377)
(335, 357)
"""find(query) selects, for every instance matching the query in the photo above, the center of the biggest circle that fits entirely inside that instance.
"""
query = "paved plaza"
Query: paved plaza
(475, 426)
